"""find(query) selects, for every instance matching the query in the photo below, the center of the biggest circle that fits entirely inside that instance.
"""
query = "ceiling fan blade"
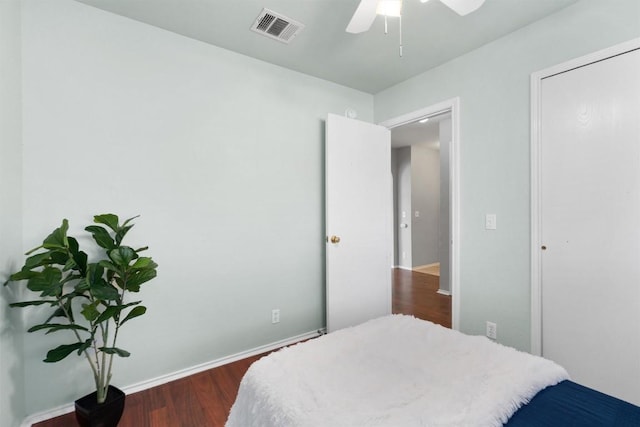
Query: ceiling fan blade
(463, 7)
(363, 17)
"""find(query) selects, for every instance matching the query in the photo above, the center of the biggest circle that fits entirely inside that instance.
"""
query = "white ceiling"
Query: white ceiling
(432, 33)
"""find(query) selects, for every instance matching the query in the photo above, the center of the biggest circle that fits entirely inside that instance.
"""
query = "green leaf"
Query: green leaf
(33, 250)
(101, 236)
(73, 244)
(67, 306)
(110, 220)
(139, 277)
(66, 327)
(115, 350)
(99, 287)
(94, 273)
(85, 345)
(78, 256)
(59, 256)
(108, 265)
(60, 352)
(122, 256)
(137, 311)
(58, 313)
(109, 312)
(130, 304)
(58, 238)
(22, 275)
(37, 260)
(29, 303)
(81, 287)
(56, 327)
(113, 311)
(47, 282)
(69, 265)
(90, 312)
(71, 277)
(144, 262)
(118, 280)
(122, 231)
(124, 224)
(104, 291)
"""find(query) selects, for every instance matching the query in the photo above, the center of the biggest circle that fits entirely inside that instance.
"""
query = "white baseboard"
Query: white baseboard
(401, 267)
(443, 292)
(426, 265)
(144, 385)
(52, 413)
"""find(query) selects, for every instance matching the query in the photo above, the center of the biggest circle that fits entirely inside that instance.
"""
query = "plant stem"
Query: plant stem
(115, 334)
(102, 387)
(94, 369)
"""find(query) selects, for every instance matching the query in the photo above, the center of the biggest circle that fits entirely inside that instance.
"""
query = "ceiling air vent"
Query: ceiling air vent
(276, 26)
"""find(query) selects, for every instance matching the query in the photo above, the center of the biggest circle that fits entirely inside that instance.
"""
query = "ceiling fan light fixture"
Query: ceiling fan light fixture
(389, 8)
(463, 7)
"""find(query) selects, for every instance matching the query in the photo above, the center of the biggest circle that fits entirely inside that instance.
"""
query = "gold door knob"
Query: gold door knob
(335, 239)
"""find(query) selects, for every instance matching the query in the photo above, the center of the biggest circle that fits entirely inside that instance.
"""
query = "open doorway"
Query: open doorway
(424, 168)
(420, 167)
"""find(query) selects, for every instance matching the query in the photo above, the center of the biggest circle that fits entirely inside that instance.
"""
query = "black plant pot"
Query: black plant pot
(89, 413)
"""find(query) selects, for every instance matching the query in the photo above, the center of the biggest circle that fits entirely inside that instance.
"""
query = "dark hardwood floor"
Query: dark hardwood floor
(416, 293)
(204, 399)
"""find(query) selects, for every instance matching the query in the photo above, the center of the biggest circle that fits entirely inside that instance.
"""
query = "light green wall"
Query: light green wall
(220, 154)
(12, 402)
(493, 85)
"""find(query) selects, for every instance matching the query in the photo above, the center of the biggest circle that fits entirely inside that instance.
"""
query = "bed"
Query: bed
(401, 371)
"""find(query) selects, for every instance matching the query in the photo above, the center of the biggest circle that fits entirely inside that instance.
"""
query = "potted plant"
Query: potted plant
(89, 302)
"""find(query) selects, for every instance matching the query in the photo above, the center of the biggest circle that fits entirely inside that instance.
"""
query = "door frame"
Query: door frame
(536, 214)
(452, 105)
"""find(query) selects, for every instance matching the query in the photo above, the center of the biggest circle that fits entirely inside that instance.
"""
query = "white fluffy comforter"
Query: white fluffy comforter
(396, 371)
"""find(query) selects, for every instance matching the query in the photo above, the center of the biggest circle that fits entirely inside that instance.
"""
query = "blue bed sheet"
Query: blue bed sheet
(568, 404)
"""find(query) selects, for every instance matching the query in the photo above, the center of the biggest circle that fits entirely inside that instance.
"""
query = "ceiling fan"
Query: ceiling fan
(368, 9)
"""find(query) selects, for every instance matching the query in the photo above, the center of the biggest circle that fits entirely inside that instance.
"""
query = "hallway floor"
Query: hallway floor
(417, 294)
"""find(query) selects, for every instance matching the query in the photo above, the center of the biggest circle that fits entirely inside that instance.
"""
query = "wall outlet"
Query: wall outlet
(275, 315)
(492, 330)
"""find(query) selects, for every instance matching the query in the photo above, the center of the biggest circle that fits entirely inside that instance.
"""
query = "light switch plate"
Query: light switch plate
(490, 222)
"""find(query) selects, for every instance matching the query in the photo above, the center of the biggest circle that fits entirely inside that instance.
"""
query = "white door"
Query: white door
(358, 213)
(590, 223)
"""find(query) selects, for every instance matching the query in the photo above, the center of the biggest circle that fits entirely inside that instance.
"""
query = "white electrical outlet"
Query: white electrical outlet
(275, 315)
(492, 330)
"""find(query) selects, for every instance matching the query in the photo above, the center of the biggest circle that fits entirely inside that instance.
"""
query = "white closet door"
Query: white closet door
(590, 223)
